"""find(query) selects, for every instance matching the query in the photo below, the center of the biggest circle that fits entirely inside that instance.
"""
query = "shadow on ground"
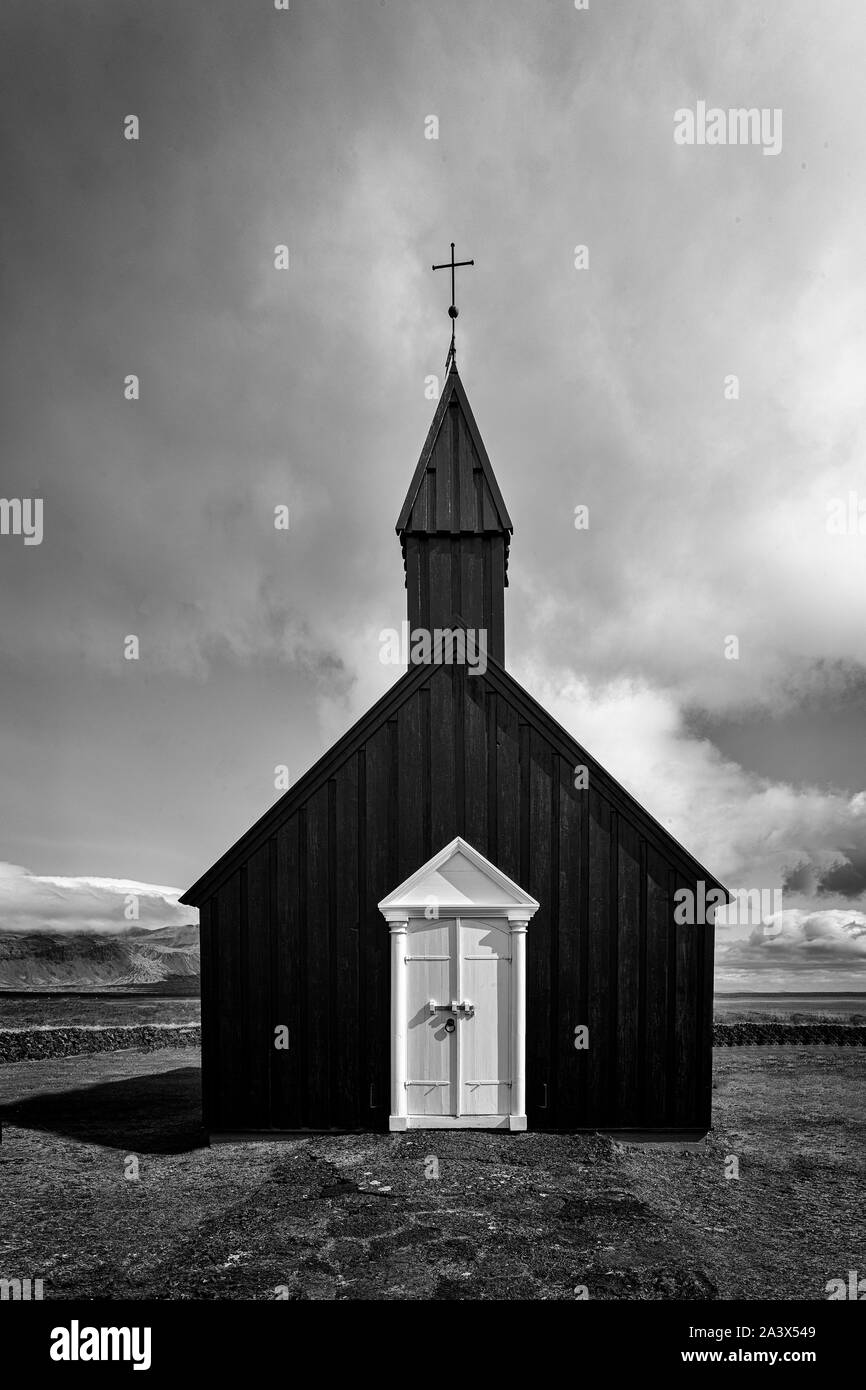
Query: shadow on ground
(159, 1113)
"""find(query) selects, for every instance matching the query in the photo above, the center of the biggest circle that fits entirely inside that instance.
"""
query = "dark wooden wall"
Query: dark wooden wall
(294, 936)
(465, 575)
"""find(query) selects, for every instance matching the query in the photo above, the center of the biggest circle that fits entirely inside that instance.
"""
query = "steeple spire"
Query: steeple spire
(454, 527)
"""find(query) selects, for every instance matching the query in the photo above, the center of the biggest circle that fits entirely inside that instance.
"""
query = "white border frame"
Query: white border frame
(398, 910)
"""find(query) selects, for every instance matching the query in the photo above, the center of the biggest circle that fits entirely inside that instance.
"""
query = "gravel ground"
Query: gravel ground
(459, 1215)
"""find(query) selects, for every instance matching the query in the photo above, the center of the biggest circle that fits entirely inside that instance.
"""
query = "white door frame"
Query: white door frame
(457, 882)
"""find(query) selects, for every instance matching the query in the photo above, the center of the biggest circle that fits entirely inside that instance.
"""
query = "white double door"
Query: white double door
(459, 1021)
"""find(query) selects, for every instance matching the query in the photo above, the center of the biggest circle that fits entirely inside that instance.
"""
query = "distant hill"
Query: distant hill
(81, 960)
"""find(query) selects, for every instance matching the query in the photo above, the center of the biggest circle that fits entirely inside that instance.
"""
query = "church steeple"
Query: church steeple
(454, 528)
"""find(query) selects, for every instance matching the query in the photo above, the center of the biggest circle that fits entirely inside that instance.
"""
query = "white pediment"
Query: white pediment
(459, 880)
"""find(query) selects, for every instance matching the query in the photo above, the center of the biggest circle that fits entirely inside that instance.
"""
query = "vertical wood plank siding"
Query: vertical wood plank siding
(294, 937)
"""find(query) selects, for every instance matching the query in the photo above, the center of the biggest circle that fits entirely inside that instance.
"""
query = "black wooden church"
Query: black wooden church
(445, 923)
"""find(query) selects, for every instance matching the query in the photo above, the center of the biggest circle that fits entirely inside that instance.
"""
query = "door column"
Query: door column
(517, 1118)
(399, 1093)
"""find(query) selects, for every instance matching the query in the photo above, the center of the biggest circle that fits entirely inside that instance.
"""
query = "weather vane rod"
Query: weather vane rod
(452, 265)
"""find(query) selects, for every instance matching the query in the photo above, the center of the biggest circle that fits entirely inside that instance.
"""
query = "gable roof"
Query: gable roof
(453, 489)
(458, 878)
(504, 684)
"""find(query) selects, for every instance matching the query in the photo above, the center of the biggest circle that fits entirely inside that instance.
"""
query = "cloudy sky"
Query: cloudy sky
(603, 387)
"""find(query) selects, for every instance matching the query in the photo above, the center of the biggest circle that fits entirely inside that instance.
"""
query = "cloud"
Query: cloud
(306, 388)
(749, 830)
(39, 902)
(797, 949)
(847, 879)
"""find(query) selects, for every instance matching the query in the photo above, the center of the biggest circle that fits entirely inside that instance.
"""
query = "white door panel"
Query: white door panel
(431, 1061)
(486, 1035)
(464, 1070)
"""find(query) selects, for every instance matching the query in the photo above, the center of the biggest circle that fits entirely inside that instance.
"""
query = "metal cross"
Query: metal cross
(452, 265)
